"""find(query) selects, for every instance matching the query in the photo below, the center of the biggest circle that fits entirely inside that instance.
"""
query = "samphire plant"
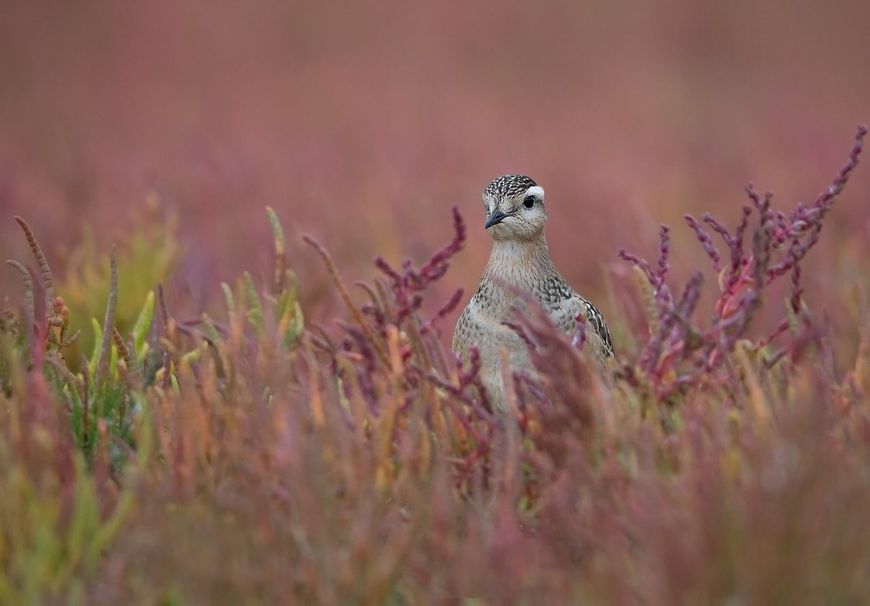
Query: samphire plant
(246, 457)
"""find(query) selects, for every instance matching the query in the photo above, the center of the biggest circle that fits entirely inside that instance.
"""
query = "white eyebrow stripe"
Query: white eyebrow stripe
(537, 191)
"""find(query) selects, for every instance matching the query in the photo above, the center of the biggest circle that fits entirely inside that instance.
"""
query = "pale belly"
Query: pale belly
(502, 352)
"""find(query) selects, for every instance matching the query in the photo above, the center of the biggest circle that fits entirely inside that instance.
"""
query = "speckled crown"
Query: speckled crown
(508, 185)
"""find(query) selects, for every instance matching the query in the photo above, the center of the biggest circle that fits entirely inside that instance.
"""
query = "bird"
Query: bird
(520, 264)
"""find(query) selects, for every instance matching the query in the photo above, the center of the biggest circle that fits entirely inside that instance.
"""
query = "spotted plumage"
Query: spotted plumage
(520, 261)
(509, 185)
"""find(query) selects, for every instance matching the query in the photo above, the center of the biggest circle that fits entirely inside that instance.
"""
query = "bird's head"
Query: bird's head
(514, 206)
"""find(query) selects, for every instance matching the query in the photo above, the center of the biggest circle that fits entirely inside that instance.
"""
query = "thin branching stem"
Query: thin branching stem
(41, 261)
(100, 375)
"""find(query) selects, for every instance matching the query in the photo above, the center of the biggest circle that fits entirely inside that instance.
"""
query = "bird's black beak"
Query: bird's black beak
(494, 219)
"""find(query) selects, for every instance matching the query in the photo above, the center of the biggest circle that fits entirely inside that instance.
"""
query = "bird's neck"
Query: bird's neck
(519, 261)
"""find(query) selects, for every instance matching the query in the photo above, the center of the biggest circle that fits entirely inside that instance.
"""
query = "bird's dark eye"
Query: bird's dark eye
(529, 201)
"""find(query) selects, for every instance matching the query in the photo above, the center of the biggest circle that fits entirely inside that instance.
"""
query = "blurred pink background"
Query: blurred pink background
(362, 124)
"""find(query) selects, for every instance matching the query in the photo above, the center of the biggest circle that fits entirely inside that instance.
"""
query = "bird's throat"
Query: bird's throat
(519, 262)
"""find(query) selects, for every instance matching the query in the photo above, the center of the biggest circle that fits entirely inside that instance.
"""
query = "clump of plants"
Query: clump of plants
(247, 456)
(766, 246)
